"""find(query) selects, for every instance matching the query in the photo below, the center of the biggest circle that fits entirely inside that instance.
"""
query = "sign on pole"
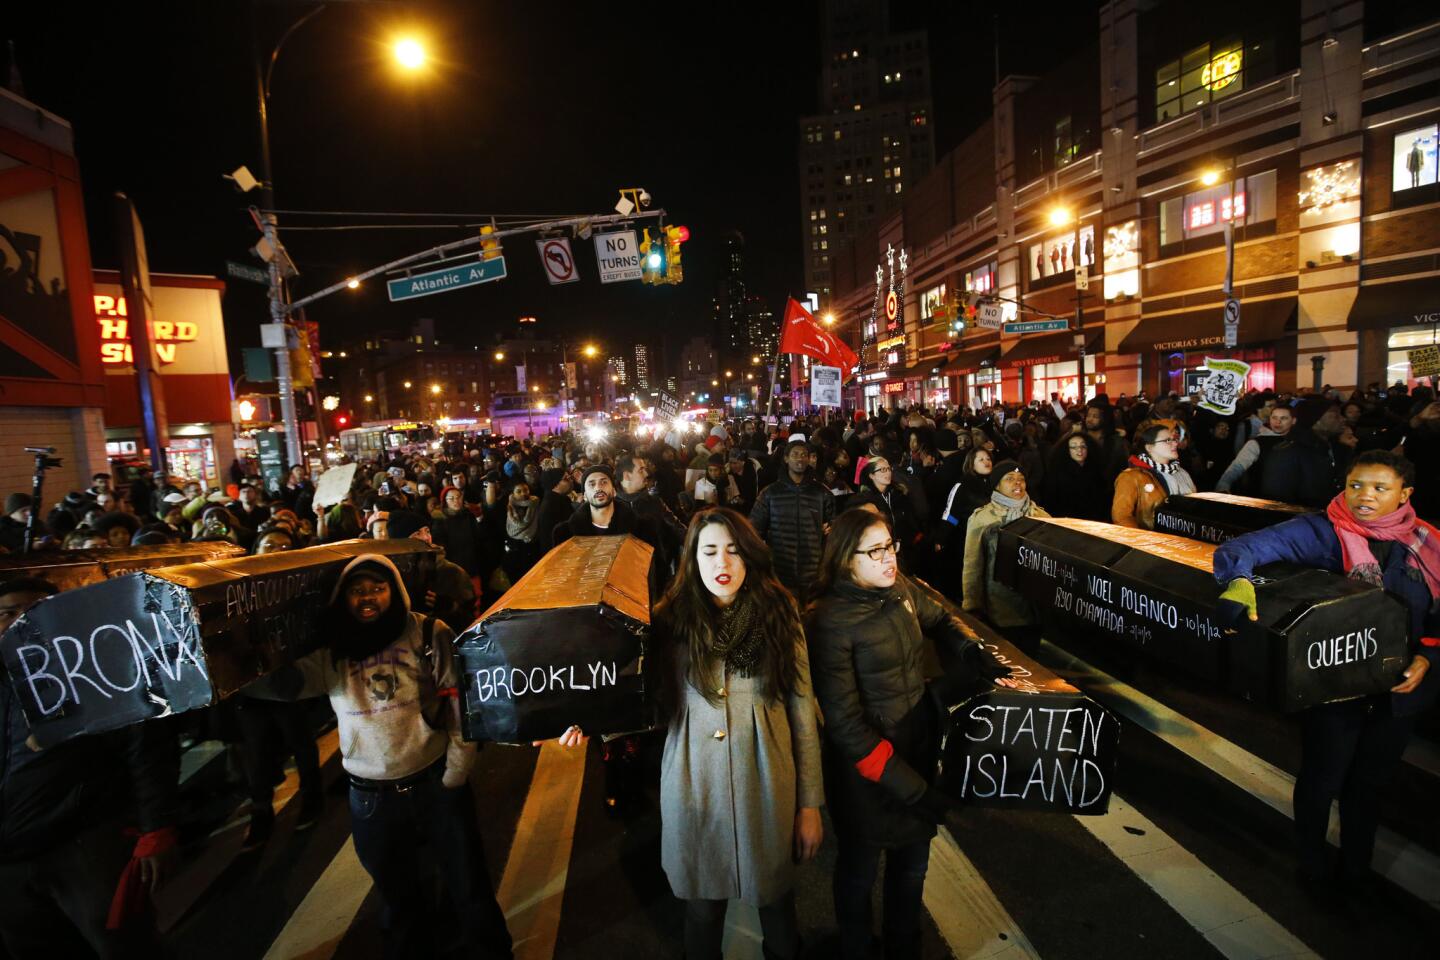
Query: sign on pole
(242, 272)
(1035, 326)
(556, 258)
(1082, 277)
(825, 386)
(1232, 323)
(617, 256)
(442, 281)
(1424, 361)
(989, 315)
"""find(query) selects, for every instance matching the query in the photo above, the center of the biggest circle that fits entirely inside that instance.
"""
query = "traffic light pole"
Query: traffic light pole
(446, 250)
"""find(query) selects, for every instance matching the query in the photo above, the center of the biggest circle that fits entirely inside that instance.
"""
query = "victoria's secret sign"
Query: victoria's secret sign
(110, 313)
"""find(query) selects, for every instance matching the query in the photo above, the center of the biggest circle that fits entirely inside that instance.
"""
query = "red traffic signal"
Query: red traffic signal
(341, 420)
(682, 234)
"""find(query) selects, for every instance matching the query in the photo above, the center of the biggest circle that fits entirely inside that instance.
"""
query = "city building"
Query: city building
(52, 383)
(642, 366)
(870, 138)
(699, 365)
(731, 329)
(1316, 145)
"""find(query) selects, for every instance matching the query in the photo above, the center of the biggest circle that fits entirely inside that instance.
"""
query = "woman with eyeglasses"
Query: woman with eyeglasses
(1154, 473)
(892, 499)
(867, 632)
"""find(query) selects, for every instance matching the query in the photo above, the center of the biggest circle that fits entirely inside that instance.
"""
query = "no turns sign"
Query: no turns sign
(557, 260)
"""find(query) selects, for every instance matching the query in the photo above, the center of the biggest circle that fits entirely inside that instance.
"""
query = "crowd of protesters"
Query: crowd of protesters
(804, 568)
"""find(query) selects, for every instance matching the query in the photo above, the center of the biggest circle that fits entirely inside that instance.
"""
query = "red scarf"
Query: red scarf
(1421, 540)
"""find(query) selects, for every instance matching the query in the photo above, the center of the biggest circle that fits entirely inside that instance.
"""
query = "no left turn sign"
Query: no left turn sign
(556, 258)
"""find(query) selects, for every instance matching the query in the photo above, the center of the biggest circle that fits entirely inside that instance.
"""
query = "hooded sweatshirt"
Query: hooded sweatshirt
(378, 700)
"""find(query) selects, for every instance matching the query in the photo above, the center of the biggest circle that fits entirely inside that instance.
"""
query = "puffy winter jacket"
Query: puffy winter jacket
(1311, 540)
(868, 663)
(791, 518)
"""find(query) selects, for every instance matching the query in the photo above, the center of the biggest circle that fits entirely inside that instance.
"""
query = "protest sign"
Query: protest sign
(566, 645)
(1424, 361)
(1220, 390)
(1320, 636)
(825, 385)
(334, 485)
(1217, 517)
(170, 639)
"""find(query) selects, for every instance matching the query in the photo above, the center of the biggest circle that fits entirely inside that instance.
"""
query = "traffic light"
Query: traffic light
(341, 420)
(674, 236)
(652, 259)
(489, 247)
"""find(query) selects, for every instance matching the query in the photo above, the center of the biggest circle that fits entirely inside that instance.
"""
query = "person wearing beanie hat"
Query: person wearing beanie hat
(12, 525)
(1004, 607)
(602, 514)
(389, 674)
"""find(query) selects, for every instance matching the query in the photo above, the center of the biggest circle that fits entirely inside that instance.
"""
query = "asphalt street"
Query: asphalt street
(1193, 859)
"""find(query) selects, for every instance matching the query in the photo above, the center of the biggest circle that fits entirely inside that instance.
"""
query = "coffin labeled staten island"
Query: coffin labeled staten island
(171, 639)
(1320, 638)
(1217, 517)
(565, 645)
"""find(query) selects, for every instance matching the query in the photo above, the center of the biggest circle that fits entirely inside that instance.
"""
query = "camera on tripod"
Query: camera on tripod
(43, 460)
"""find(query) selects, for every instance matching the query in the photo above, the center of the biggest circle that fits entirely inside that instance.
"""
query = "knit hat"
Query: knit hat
(17, 501)
(405, 522)
(1000, 470)
(598, 468)
(711, 442)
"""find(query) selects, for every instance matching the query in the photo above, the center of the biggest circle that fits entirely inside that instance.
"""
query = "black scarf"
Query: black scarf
(737, 637)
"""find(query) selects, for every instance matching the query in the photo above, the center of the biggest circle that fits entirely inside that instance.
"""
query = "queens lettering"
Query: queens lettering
(1346, 648)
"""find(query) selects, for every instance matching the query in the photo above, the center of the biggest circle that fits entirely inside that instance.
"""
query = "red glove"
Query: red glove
(131, 898)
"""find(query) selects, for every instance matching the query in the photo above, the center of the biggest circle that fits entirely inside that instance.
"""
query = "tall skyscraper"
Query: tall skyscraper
(732, 332)
(642, 367)
(615, 368)
(873, 133)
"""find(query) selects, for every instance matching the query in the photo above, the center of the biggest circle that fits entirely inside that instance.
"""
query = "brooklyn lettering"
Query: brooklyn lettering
(509, 683)
(1347, 648)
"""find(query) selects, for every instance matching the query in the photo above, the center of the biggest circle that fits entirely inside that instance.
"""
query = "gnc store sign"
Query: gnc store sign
(188, 331)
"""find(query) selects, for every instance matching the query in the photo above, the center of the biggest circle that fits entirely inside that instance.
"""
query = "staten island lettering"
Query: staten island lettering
(1062, 741)
(509, 683)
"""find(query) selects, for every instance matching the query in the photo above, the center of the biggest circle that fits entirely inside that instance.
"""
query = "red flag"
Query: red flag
(799, 333)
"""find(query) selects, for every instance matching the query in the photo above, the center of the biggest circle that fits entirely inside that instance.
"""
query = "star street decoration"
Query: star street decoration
(1325, 186)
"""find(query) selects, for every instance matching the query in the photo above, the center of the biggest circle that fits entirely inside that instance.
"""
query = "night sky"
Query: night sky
(528, 108)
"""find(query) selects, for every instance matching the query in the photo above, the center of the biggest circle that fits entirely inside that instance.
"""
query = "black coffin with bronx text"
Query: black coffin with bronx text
(1321, 637)
(565, 645)
(171, 639)
(1217, 517)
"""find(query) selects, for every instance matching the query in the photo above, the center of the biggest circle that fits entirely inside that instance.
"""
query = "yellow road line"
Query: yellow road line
(317, 926)
(533, 886)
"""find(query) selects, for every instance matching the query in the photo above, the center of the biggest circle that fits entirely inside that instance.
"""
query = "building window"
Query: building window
(1209, 72)
(1415, 162)
(1060, 253)
(981, 279)
(1207, 211)
(931, 299)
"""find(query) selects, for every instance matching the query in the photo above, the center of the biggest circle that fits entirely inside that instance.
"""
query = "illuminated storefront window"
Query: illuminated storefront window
(1414, 161)
(1198, 214)
(981, 279)
(1402, 341)
(1059, 254)
(1122, 260)
(1209, 72)
(931, 299)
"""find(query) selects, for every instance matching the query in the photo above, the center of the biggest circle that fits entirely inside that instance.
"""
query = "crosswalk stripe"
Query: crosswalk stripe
(1226, 918)
(317, 926)
(1408, 866)
(974, 923)
(532, 888)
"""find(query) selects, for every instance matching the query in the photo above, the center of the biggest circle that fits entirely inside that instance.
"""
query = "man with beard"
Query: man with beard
(388, 673)
(602, 515)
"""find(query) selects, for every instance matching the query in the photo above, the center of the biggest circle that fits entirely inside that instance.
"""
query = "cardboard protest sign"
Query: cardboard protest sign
(1217, 517)
(170, 639)
(565, 645)
(1220, 390)
(1028, 741)
(1321, 637)
(334, 485)
(1424, 361)
(68, 569)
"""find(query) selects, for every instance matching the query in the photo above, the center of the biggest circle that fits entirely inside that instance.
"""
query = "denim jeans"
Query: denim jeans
(855, 870)
(399, 834)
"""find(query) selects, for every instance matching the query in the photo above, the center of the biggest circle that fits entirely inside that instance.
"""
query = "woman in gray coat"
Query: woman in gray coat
(740, 780)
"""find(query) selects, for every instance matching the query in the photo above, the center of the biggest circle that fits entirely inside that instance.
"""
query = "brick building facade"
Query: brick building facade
(1316, 144)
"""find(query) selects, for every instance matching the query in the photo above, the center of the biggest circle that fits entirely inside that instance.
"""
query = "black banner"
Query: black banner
(1217, 517)
(171, 639)
(565, 645)
(1321, 637)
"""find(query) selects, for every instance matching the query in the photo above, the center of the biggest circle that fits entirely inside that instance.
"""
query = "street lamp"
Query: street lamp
(829, 319)
(407, 384)
(369, 398)
(435, 388)
(499, 355)
(1059, 216)
(590, 350)
(410, 53)
(353, 284)
(1210, 177)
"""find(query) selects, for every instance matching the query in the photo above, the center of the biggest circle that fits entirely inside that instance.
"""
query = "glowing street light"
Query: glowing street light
(369, 398)
(410, 53)
(590, 350)
(499, 355)
(1210, 177)
(407, 384)
(829, 319)
(1060, 216)
(353, 283)
(755, 359)
(435, 388)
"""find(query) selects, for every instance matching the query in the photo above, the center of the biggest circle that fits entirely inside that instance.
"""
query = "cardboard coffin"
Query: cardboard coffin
(1321, 637)
(1217, 517)
(1029, 741)
(68, 569)
(172, 639)
(565, 645)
